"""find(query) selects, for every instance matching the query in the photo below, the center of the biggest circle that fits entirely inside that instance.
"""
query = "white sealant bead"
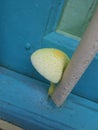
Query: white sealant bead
(81, 59)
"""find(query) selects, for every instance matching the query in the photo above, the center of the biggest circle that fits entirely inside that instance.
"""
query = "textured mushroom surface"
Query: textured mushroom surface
(50, 63)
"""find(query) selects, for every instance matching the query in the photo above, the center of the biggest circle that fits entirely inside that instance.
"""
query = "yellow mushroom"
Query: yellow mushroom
(50, 63)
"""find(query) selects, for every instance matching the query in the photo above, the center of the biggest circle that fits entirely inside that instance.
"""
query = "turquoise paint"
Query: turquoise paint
(62, 42)
(24, 24)
(55, 13)
(24, 27)
(24, 101)
(21, 23)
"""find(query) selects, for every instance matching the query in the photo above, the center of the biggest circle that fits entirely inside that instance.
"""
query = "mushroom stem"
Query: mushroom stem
(51, 89)
(82, 57)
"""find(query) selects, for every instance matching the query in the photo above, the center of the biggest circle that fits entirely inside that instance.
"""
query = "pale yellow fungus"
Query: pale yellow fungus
(50, 63)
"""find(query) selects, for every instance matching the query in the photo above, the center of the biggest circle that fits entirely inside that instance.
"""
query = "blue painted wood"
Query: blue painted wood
(88, 85)
(62, 42)
(23, 101)
(18, 39)
(55, 14)
(22, 27)
(22, 24)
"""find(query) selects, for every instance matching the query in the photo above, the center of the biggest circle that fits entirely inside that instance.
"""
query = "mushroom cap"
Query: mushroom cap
(50, 63)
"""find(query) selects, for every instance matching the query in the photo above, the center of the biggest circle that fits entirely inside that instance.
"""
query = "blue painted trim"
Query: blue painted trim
(88, 84)
(57, 40)
(55, 14)
(23, 101)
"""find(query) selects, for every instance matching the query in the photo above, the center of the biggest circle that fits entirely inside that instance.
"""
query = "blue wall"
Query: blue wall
(22, 25)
